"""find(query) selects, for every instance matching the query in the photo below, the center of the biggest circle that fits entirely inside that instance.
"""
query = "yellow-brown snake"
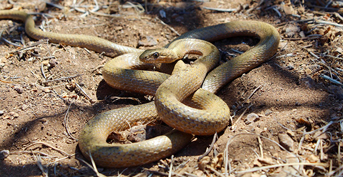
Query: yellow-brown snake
(118, 73)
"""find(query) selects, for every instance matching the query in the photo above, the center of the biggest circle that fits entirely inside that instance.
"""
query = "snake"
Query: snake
(125, 72)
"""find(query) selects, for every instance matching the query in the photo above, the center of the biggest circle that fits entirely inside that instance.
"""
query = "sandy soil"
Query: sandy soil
(284, 101)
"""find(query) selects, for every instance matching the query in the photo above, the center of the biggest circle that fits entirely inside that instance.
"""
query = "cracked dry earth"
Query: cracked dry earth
(43, 108)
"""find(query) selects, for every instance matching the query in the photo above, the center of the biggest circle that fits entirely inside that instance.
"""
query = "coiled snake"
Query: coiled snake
(194, 119)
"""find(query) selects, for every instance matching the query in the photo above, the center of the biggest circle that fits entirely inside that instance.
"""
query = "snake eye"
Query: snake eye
(155, 55)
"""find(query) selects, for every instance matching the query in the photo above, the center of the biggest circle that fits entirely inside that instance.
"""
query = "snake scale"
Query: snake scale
(127, 68)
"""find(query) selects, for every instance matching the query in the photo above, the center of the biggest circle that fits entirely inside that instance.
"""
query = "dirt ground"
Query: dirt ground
(287, 113)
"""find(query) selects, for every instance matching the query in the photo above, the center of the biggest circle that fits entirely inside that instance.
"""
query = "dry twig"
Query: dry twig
(66, 123)
(50, 146)
(208, 150)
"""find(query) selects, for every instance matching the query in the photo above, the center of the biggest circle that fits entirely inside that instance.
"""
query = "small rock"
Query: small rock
(313, 158)
(252, 117)
(46, 89)
(204, 162)
(149, 41)
(19, 89)
(291, 169)
(266, 161)
(7, 6)
(288, 9)
(2, 112)
(290, 67)
(162, 13)
(302, 34)
(290, 133)
(24, 107)
(14, 114)
(45, 63)
(52, 63)
(291, 30)
(114, 7)
(257, 163)
(40, 6)
(286, 141)
(268, 112)
(320, 135)
(44, 121)
(31, 59)
(4, 154)
(6, 117)
(337, 4)
(118, 28)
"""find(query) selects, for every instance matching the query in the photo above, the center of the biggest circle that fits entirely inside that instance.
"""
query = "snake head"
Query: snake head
(162, 55)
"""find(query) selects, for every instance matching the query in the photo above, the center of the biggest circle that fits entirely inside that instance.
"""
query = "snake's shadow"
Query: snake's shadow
(113, 98)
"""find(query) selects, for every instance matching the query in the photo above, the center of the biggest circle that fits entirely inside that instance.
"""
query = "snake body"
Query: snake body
(92, 140)
(208, 113)
(90, 42)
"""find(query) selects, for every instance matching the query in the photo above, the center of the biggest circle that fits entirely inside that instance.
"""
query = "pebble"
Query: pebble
(290, 67)
(266, 161)
(302, 34)
(19, 89)
(46, 89)
(44, 121)
(268, 112)
(286, 141)
(252, 117)
(297, 104)
(4, 154)
(14, 114)
(313, 158)
(52, 63)
(291, 133)
(118, 28)
(45, 63)
(320, 135)
(162, 13)
(7, 117)
(149, 41)
(291, 30)
(291, 170)
(2, 112)
(24, 107)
